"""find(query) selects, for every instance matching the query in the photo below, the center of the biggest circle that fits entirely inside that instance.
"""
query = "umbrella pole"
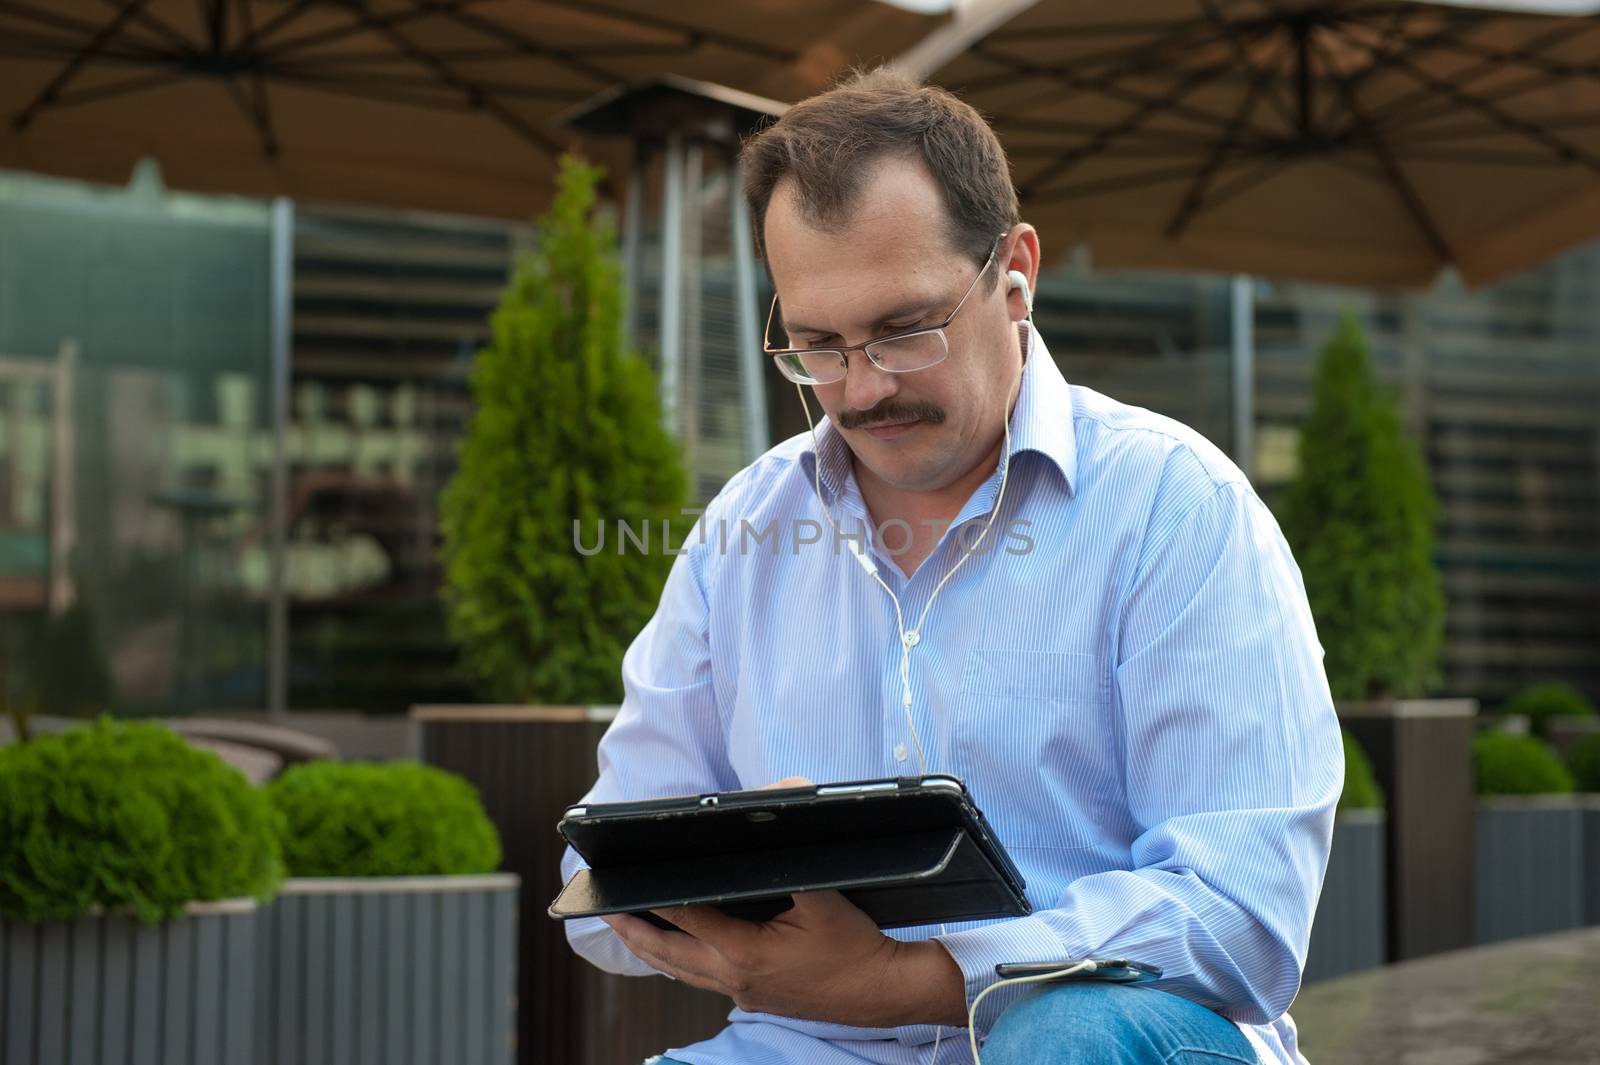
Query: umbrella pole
(281, 309)
(1243, 339)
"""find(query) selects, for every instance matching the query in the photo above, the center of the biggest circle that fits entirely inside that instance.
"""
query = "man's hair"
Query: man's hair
(827, 144)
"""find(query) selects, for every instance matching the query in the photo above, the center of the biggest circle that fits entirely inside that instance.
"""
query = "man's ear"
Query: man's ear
(1022, 259)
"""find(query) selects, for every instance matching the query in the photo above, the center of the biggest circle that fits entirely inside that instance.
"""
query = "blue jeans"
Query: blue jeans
(1108, 1024)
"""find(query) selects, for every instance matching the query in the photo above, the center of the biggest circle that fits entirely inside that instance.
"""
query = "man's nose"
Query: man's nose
(865, 386)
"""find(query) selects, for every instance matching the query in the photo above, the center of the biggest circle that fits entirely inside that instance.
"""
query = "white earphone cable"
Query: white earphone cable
(1036, 978)
(909, 638)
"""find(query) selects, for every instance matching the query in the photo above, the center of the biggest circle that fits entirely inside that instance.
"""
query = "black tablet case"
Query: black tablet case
(906, 853)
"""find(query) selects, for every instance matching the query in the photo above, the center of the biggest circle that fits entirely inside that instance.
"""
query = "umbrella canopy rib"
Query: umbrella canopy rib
(253, 38)
(695, 34)
(1194, 198)
(214, 13)
(255, 115)
(57, 21)
(25, 45)
(1396, 42)
(1261, 79)
(1241, 183)
(475, 94)
(1511, 123)
(142, 14)
(1019, 66)
(1064, 162)
(1463, 79)
(22, 119)
(124, 87)
(1334, 140)
(526, 45)
(1397, 177)
(262, 108)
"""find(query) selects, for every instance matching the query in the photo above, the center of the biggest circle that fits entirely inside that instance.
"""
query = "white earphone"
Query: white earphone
(1019, 281)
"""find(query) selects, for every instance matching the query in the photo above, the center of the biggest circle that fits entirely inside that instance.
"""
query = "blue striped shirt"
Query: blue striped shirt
(1127, 679)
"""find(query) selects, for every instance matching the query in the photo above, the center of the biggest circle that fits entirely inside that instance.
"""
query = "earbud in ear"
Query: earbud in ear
(1019, 281)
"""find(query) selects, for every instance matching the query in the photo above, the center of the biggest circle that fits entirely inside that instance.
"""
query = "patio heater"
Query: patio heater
(692, 294)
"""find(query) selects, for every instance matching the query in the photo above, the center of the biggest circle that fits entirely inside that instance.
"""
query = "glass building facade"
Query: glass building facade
(133, 446)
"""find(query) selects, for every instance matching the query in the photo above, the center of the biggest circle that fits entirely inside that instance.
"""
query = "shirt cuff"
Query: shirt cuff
(592, 939)
(978, 950)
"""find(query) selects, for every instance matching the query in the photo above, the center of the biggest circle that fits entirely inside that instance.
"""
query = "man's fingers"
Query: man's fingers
(708, 924)
(634, 933)
(824, 910)
(788, 782)
(809, 906)
(671, 952)
(622, 923)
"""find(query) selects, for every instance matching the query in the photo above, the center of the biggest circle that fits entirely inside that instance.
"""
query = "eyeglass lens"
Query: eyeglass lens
(899, 355)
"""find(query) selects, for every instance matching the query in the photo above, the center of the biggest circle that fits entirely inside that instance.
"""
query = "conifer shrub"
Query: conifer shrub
(1359, 517)
(566, 438)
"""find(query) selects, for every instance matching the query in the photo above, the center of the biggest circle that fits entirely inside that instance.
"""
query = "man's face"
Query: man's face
(889, 268)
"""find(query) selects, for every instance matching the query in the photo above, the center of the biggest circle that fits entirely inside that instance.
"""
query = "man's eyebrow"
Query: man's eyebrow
(904, 312)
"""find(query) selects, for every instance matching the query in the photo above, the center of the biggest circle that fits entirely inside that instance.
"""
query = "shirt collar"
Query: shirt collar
(1041, 423)
(1042, 420)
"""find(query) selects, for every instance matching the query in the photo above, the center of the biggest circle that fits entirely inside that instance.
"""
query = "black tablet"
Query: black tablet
(908, 851)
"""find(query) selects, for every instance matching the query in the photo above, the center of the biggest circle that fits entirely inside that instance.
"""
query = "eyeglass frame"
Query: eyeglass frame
(844, 351)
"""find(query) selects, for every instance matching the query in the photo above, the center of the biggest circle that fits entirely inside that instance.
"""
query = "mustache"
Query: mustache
(892, 410)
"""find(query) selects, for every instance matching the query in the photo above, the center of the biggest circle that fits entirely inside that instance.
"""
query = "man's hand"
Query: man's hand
(823, 960)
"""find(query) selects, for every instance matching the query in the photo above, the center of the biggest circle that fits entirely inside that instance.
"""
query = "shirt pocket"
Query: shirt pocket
(1035, 742)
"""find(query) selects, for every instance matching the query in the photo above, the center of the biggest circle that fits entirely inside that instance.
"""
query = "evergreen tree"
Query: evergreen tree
(566, 436)
(1360, 517)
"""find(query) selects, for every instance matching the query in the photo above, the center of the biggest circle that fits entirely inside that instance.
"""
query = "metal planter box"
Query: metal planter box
(388, 971)
(1530, 865)
(110, 990)
(1349, 931)
(1591, 859)
(1421, 751)
(529, 763)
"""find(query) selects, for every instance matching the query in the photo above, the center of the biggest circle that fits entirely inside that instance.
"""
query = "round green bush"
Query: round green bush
(382, 819)
(1361, 790)
(1541, 702)
(1508, 764)
(125, 816)
(1583, 761)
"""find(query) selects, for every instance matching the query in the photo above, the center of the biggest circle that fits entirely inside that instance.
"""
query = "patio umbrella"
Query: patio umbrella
(443, 104)
(1342, 140)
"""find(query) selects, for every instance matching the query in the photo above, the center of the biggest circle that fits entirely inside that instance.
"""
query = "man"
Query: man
(1115, 654)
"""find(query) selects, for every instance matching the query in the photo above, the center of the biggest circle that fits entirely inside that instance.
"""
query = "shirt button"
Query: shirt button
(913, 638)
(899, 752)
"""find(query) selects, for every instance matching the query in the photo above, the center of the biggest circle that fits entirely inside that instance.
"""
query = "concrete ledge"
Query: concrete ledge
(1521, 1000)
(1411, 708)
(538, 714)
(398, 885)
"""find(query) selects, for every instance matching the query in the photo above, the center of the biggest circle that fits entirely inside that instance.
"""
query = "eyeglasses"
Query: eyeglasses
(903, 352)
